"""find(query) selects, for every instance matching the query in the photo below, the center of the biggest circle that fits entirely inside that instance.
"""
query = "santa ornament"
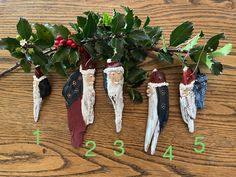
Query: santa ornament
(158, 109)
(113, 85)
(79, 94)
(41, 89)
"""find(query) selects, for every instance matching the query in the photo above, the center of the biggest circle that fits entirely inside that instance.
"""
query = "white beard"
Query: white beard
(115, 93)
(87, 102)
(187, 105)
(152, 129)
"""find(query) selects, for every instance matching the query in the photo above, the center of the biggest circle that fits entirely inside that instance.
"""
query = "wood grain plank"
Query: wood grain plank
(20, 156)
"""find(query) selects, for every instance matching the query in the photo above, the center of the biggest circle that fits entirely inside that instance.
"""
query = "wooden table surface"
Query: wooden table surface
(21, 156)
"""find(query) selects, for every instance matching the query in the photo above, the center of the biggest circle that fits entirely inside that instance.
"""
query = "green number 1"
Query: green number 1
(121, 147)
(37, 133)
(170, 155)
(199, 143)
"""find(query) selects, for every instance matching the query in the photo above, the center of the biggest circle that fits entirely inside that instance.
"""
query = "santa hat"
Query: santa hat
(87, 66)
(157, 76)
(113, 66)
(188, 76)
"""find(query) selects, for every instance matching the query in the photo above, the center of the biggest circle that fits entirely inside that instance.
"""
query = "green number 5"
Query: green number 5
(119, 147)
(197, 142)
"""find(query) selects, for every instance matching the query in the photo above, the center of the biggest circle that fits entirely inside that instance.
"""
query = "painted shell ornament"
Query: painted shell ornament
(41, 89)
(187, 98)
(79, 95)
(158, 109)
(113, 85)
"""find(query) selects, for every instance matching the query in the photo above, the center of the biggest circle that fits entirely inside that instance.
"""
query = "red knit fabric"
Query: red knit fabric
(76, 123)
(157, 77)
(188, 76)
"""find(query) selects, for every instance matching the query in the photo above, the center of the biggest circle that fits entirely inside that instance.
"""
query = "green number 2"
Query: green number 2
(170, 155)
(199, 143)
(119, 147)
(91, 149)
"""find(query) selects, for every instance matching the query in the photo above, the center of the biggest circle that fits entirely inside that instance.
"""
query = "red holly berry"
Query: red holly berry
(63, 41)
(56, 42)
(73, 45)
(59, 37)
(69, 42)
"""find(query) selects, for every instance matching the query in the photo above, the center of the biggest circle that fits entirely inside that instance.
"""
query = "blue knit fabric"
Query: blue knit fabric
(200, 88)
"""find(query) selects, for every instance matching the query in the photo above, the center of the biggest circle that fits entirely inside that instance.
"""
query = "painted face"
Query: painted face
(115, 77)
(188, 76)
(90, 79)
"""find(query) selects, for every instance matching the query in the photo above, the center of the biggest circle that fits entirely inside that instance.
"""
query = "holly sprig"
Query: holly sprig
(120, 36)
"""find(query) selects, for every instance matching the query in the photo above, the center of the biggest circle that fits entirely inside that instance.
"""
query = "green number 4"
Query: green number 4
(199, 143)
(168, 153)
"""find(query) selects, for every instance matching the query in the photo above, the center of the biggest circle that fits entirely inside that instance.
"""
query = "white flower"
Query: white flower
(23, 42)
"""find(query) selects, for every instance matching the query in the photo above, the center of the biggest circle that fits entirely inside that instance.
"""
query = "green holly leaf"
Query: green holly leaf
(77, 37)
(9, 44)
(137, 22)
(147, 21)
(216, 68)
(62, 30)
(106, 19)
(154, 33)
(26, 66)
(213, 42)
(222, 51)
(129, 19)
(138, 54)
(138, 35)
(166, 56)
(136, 77)
(164, 46)
(38, 57)
(118, 47)
(61, 54)
(135, 95)
(117, 23)
(90, 26)
(60, 68)
(75, 26)
(44, 35)
(81, 21)
(181, 33)
(73, 57)
(193, 42)
(24, 29)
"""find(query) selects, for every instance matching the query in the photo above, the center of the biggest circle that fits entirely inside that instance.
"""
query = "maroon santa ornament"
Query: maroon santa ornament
(79, 95)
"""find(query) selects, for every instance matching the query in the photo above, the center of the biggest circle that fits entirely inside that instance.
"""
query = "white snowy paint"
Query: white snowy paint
(187, 104)
(115, 93)
(88, 98)
(36, 97)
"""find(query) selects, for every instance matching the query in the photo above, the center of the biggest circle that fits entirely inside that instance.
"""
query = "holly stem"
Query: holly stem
(156, 49)
(17, 65)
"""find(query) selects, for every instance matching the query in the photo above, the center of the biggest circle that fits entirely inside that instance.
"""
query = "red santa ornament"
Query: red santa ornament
(79, 94)
(113, 85)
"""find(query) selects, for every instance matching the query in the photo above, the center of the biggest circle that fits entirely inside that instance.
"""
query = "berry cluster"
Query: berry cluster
(63, 42)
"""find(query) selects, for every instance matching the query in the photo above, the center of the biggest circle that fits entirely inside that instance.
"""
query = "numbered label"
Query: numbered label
(201, 146)
(37, 133)
(169, 153)
(120, 147)
(88, 153)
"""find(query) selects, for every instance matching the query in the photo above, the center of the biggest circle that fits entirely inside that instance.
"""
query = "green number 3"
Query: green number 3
(91, 149)
(199, 143)
(119, 147)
